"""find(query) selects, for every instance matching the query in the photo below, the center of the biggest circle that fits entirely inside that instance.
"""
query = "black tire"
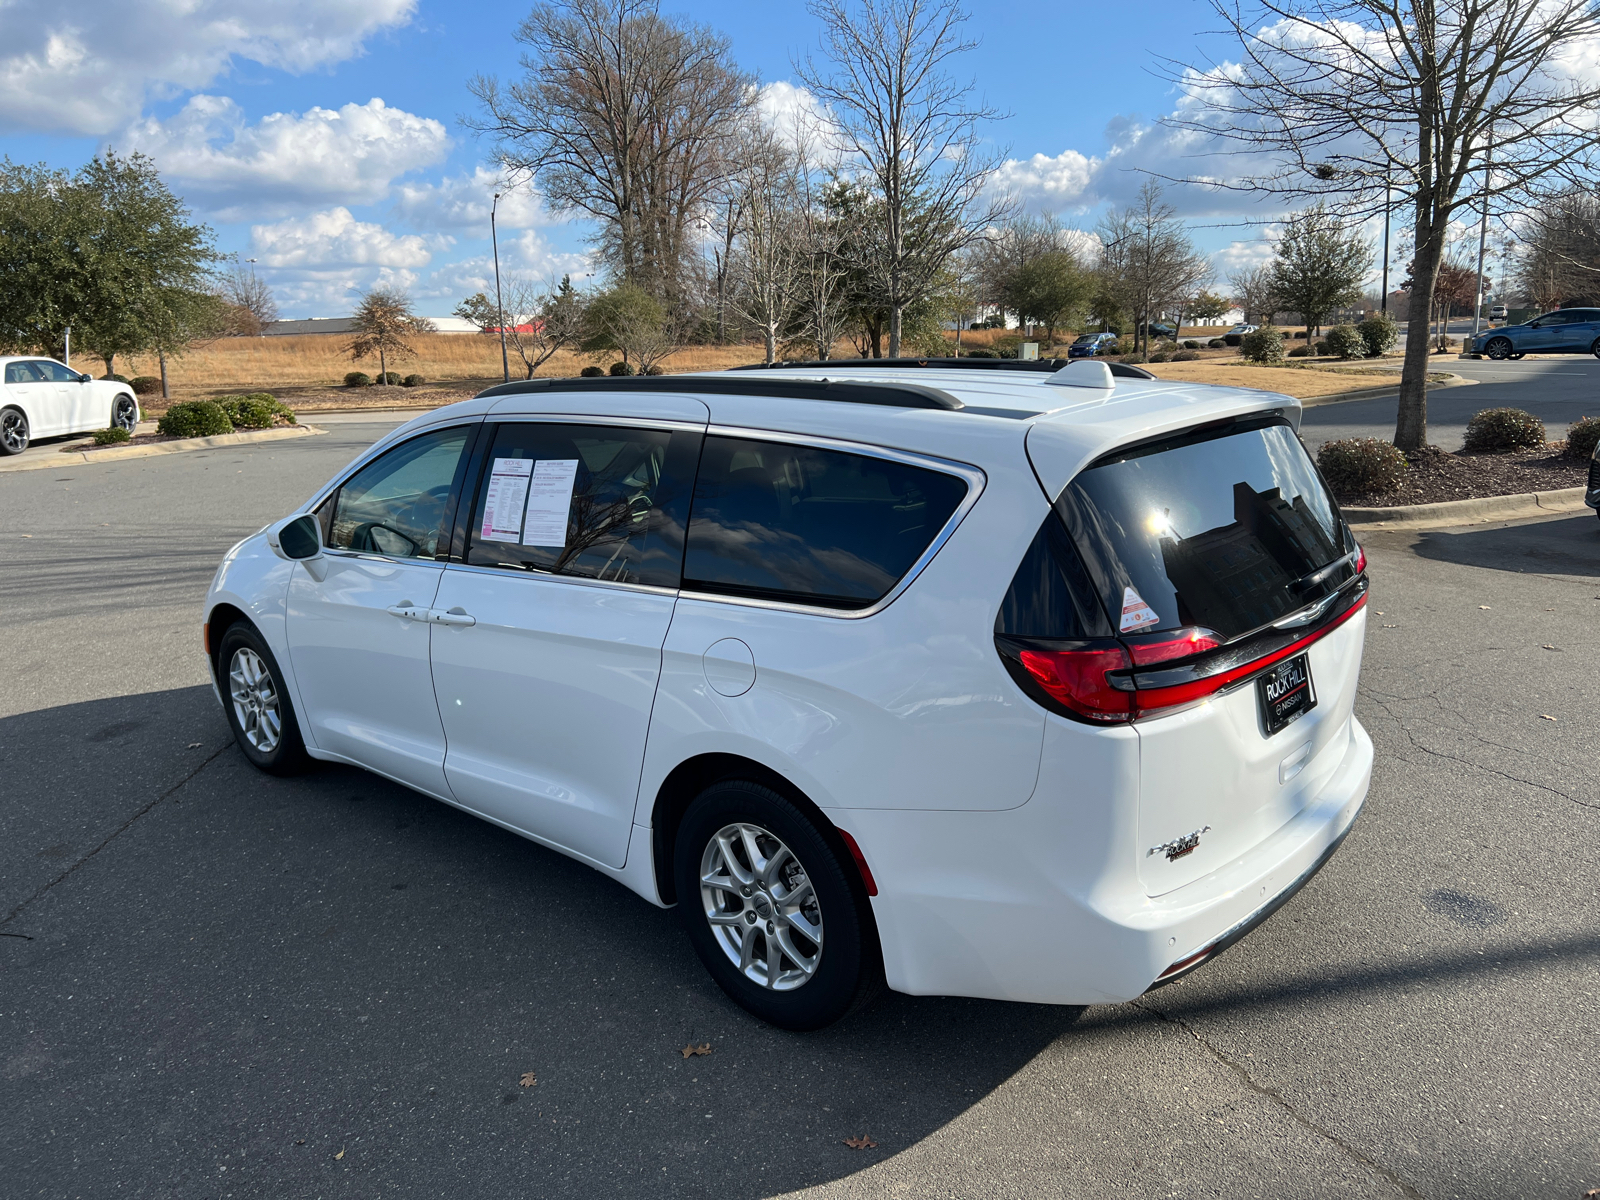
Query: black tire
(286, 755)
(13, 431)
(124, 413)
(1498, 348)
(848, 970)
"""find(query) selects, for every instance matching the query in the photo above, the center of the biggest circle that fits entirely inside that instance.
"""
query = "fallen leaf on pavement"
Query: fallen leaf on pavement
(194, 745)
(861, 1143)
(702, 1048)
(528, 1079)
(1546, 717)
(1483, 606)
(340, 1154)
(1548, 646)
(1391, 627)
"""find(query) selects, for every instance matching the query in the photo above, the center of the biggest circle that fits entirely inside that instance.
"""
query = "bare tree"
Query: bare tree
(1147, 261)
(248, 294)
(383, 324)
(626, 116)
(540, 318)
(767, 256)
(1255, 292)
(1350, 97)
(914, 130)
(1558, 259)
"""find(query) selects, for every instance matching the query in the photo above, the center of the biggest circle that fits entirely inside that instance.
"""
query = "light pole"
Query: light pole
(499, 310)
(1387, 212)
(1483, 235)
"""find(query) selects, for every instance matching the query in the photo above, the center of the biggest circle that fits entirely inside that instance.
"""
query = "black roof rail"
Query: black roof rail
(1038, 365)
(889, 394)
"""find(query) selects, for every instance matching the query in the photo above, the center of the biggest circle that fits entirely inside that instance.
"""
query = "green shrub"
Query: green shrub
(1134, 358)
(1346, 341)
(1299, 352)
(110, 437)
(1109, 347)
(592, 372)
(622, 368)
(652, 369)
(357, 379)
(981, 352)
(1362, 466)
(1582, 437)
(1191, 345)
(1160, 356)
(1232, 339)
(1380, 333)
(1504, 429)
(390, 378)
(115, 378)
(413, 381)
(1186, 356)
(257, 410)
(194, 418)
(145, 385)
(1265, 345)
(1303, 334)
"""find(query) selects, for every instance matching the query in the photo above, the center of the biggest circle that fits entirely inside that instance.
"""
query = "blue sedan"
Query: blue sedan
(1565, 331)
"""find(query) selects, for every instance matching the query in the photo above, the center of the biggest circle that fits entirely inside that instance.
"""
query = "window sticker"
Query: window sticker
(508, 492)
(1136, 614)
(549, 502)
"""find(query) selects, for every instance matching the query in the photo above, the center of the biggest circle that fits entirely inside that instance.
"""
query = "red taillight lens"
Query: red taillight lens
(1179, 643)
(1361, 559)
(1078, 679)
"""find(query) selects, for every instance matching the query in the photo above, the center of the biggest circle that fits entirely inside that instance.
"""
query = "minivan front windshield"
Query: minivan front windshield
(1229, 530)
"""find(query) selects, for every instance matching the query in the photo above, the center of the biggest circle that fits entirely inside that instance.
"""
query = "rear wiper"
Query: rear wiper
(1316, 577)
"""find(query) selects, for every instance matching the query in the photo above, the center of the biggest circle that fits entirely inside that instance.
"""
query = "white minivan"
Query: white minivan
(1030, 684)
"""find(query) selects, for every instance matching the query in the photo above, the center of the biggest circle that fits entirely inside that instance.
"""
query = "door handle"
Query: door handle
(456, 616)
(409, 611)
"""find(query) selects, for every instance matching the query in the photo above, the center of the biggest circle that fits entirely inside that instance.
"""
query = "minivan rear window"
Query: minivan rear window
(807, 525)
(1228, 529)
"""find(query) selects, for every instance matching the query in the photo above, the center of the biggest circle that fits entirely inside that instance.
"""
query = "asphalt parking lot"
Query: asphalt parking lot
(214, 983)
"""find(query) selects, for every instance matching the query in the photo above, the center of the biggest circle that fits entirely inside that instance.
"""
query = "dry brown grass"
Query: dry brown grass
(1303, 383)
(320, 361)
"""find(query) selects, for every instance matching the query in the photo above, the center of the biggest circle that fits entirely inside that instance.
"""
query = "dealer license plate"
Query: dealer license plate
(1286, 693)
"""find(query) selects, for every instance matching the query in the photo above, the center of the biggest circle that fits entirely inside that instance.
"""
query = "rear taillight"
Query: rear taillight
(1361, 559)
(1081, 680)
(1099, 682)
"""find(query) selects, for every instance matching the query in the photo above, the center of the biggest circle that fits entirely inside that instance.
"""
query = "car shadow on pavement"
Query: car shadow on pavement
(271, 981)
(1567, 546)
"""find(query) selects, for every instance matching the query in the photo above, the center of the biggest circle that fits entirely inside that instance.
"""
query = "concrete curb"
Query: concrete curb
(1388, 389)
(74, 457)
(1467, 512)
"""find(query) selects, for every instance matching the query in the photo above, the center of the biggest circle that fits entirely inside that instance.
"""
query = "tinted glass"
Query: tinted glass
(396, 504)
(1221, 531)
(826, 527)
(1051, 595)
(24, 372)
(57, 373)
(594, 501)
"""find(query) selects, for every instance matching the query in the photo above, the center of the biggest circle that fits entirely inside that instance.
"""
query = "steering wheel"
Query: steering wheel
(363, 542)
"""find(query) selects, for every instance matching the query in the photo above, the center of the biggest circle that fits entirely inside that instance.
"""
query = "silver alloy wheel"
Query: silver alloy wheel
(123, 416)
(255, 700)
(1498, 348)
(761, 906)
(13, 431)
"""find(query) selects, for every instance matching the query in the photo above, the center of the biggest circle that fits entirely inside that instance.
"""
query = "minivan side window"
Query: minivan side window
(590, 501)
(775, 521)
(396, 504)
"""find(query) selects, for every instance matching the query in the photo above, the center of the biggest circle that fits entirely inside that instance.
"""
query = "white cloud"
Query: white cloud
(1044, 182)
(336, 238)
(796, 116)
(286, 162)
(89, 66)
(462, 202)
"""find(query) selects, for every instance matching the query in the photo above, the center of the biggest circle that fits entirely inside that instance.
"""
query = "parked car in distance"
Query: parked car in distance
(40, 397)
(1241, 330)
(1015, 683)
(1497, 312)
(1090, 344)
(1565, 331)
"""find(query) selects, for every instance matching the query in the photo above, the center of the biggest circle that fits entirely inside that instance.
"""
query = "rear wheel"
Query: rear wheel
(773, 913)
(1498, 348)
(13, 431)
(124, 413)
(257, 703)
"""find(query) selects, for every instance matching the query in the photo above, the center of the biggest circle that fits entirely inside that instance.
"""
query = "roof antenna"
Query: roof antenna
(1084, 373)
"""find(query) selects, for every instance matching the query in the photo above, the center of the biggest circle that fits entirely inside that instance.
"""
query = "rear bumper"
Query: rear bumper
(1043, 904)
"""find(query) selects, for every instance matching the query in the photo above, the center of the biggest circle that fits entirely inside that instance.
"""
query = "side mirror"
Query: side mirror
(86, 378)
(297, 539)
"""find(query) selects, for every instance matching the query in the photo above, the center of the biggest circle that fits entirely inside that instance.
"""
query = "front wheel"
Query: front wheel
(777, 918)
(1498, 348)
(257, 703)
(124, 414)
(13, 431)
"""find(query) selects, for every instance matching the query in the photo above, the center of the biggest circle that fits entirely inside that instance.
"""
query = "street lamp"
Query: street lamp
(1388, 212)
(500, 312)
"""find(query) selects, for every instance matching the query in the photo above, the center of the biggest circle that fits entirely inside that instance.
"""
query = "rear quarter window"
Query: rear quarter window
(794, 523)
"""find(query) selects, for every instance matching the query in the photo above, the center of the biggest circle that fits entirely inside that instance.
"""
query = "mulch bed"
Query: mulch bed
(138, 439)
(1437, 475)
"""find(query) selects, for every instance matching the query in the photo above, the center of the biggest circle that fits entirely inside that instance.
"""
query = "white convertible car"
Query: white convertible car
(43, 398)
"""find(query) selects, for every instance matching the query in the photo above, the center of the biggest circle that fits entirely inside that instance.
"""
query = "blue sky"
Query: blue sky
(322, 137)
